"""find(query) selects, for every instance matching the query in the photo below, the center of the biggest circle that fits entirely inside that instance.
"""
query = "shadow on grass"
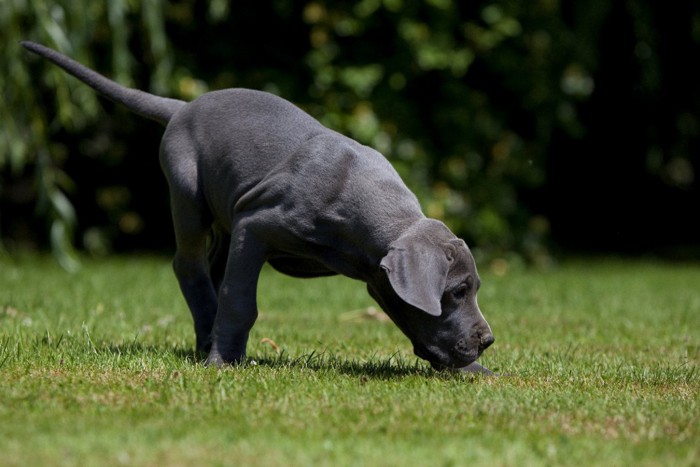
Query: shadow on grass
(385, 368)
(388, 368)
(377, 367)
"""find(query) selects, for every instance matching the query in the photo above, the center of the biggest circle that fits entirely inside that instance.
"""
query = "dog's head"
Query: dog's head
(427, 284)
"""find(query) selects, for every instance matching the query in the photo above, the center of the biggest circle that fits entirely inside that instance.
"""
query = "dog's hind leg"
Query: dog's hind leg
(218, 255)
(237, 309)
(191, 221)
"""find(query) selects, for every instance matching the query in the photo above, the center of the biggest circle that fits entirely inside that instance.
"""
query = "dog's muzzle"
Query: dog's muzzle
(469, 349)
(464, 352)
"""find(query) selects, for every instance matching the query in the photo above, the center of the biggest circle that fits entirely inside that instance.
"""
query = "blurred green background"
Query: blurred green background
(534, 129)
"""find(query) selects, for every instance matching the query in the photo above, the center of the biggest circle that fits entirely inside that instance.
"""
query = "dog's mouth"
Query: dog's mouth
(458, 357)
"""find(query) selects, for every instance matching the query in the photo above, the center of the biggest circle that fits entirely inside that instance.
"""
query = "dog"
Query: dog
(255, 179)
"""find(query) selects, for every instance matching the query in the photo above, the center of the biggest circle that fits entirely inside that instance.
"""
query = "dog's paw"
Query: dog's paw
(214, 360)
(217, 359)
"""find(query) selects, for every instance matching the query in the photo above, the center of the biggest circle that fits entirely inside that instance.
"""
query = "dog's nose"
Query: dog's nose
(486, 340)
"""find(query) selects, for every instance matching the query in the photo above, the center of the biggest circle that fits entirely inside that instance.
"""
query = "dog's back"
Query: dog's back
(253, 150)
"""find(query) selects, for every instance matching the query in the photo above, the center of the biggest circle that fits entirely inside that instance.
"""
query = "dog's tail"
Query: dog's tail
(160, 109)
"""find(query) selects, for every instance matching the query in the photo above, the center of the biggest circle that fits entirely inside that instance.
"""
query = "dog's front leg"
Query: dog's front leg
(237, 310)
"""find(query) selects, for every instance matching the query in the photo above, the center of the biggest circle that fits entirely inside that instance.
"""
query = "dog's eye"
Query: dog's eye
(460, 291)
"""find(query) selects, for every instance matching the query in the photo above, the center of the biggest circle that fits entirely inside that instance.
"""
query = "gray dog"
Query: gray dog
(253, 178)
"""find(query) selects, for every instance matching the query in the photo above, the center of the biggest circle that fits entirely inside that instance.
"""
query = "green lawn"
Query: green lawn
(96, 368)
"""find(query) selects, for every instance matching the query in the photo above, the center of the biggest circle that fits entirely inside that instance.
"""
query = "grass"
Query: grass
(96, 368)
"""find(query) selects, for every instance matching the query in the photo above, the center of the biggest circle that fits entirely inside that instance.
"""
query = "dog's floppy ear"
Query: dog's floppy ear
(417, 272)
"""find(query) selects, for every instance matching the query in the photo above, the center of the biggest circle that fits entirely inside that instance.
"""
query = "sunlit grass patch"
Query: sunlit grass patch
(600, 362)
